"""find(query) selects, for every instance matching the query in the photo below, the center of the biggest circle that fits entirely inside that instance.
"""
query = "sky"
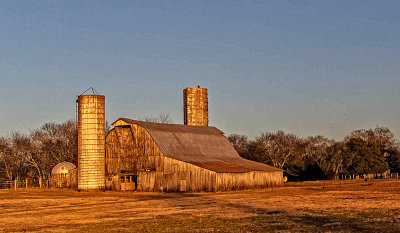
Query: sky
(304, 67)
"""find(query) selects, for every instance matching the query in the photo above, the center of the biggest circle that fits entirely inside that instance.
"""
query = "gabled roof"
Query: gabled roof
(203, 146)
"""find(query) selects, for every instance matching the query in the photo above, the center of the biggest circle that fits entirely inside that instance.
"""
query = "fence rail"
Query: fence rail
(27, 183)
(368, 176)
(6, 184)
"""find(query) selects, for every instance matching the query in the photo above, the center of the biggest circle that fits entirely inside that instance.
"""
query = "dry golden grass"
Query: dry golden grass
(325, 206)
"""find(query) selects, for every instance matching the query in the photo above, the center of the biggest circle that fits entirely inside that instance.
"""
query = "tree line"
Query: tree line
(33, 155)
(361, 152)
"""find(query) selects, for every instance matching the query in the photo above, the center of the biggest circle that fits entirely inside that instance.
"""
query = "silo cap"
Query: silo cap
(93, 91)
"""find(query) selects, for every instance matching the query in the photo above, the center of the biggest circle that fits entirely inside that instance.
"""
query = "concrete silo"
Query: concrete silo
(91, 142)
(195, 106)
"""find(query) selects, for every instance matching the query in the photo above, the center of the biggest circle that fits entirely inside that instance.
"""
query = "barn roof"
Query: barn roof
(203, 146)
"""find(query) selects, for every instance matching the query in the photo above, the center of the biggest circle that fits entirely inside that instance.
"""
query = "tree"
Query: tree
(34, 155)
(20, 154)
(7, 162)
(51, 144)
(240, 143)
(385, 140)
(322, 157)
(361, 157)
(279, 149)
(161, 118)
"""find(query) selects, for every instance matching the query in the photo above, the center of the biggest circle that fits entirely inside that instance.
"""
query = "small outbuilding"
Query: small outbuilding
(64, 175)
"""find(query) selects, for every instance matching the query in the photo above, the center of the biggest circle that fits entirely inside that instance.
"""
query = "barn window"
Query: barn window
(128, 179)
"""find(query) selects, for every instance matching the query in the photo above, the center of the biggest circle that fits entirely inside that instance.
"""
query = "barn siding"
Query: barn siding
(248, 180)
(131, 148)
(197, 178)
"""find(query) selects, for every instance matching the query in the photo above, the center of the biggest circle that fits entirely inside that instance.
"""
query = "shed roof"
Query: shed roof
(62, 167)
(203, 146)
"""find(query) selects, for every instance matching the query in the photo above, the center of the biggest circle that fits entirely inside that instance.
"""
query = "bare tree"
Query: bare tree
(51, 144)
(325, 154)
(163, 118)
(7, 162)
(240, 143)
(21, 153)
(280, 149)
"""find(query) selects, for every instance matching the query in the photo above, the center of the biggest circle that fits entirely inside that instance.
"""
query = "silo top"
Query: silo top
(62, 168)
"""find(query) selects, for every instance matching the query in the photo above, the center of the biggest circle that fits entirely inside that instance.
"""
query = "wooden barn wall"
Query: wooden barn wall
(248, 180)
(176, 173)
(131, 149)
(196, 178)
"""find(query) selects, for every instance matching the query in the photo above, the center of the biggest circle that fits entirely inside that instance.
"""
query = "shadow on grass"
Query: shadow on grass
(263, 220)
(273, 221)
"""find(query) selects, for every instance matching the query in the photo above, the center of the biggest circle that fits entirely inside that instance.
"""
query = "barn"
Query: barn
(148, 156)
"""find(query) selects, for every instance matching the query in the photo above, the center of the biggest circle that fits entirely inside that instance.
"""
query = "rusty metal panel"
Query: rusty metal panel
(195, 106)
(202, 146)
(91, 142)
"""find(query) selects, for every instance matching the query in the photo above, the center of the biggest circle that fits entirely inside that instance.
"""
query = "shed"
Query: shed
(172, 157)
(63, 175)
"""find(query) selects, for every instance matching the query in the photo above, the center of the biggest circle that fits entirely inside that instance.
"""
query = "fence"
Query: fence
(368, 176)
(6, 184)
(27, 183)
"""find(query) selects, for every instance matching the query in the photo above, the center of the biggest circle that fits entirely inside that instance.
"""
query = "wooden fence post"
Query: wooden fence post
(26, 183)
(15, 184)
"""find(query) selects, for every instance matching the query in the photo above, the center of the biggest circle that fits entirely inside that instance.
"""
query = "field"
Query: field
(344, 206)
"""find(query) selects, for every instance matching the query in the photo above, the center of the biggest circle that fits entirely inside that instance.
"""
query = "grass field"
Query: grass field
(344, 206)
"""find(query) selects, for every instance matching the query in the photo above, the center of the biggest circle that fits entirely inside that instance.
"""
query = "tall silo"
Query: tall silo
(195, 106)
(91, 142)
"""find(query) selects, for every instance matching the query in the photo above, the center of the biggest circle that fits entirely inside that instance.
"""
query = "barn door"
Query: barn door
(182, 186)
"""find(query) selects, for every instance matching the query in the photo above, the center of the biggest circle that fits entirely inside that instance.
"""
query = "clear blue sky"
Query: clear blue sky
(305, 67)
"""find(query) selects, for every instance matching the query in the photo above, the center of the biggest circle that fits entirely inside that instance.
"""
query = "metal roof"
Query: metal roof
(203, 146)
(62, 167)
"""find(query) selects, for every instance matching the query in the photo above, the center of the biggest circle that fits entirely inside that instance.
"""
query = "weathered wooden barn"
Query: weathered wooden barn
(150, 156)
